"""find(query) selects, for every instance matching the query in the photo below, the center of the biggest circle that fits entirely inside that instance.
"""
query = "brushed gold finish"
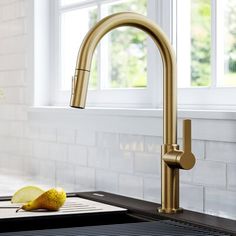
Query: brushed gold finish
(181, 159)
(172, 158)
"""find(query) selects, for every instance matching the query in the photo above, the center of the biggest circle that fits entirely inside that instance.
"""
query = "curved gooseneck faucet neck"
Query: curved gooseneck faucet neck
(135, 20)
(170, 174)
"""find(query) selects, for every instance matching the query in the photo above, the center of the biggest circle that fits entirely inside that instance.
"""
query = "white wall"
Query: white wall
(116, 151)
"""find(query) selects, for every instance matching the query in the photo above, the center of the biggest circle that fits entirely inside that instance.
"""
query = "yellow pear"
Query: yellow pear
(51, 200)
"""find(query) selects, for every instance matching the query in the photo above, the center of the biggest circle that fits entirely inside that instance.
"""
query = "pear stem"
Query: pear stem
(18, 209)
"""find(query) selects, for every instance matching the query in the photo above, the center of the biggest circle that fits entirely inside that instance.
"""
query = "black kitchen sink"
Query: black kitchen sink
(153, 228)
(102, 214)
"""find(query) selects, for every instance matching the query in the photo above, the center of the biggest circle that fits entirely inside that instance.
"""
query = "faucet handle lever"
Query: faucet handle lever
(186, 159)
(187, 136)
(182, 159)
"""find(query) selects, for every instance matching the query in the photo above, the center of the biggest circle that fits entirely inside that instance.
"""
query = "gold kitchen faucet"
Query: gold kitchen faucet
(172, 159)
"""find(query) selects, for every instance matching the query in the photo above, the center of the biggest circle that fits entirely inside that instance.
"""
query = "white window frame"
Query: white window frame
(162, 12)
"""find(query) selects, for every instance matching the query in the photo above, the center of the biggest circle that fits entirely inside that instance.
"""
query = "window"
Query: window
(127, 69)
(125, 48)
(119, 73)
(209, 31)
(206, 49)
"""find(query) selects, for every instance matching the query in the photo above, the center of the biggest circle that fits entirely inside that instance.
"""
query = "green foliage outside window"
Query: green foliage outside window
(200, 42)
(127, 49)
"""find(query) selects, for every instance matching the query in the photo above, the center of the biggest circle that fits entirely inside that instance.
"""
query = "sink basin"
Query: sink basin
(153, 228)
(81, 216)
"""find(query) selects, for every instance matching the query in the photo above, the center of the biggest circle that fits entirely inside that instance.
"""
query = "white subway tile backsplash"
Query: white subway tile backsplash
(7, 112)
(153, 144)
(198, 148)
(192, 197)
(26, 147)
(106, 181)
(221, 151)
(12, 28)
(152, 189)
(220, 202)
(131, 185)
(14, 95)
(85, 137)
(147, 163)
(5, 147)
(12, 79)
(13, 61)
(16, 128)
(13, 10)
(3, 161)
(98, 157)
(66, 136)
(31, 131)
(186, 176)
(15, 44)
(31, 167)
(47, 134)
(14, 164)
(4, 127)
(133, 143)
(65, 174)
(11, 145)
(21, 112)
(121, 161)
(58, 152)
(41, 150)
(48, 171)
(210, 173)
(78, 155)
(107, 140)
(84, 178)
(231, 176)
(6, 2)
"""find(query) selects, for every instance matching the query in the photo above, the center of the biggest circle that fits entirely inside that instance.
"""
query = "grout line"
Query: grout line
(205, 150)
(226, 176)
(204, 199)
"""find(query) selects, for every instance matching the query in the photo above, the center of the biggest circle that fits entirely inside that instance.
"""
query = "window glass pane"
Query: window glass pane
(72, 34)
(229, 41)
(200, 42)
(124, 53)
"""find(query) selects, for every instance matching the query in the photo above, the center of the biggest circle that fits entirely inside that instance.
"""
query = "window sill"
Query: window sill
(131, 112)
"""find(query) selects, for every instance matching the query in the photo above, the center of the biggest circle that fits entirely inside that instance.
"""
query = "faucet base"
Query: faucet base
(170, 211)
